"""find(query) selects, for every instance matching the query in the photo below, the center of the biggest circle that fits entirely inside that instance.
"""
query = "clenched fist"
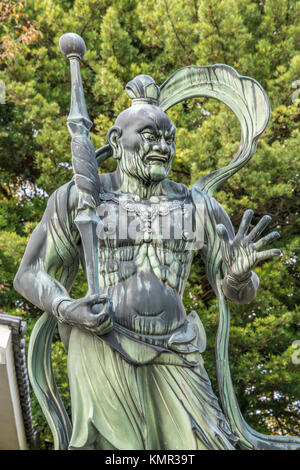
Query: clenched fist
(88, 313)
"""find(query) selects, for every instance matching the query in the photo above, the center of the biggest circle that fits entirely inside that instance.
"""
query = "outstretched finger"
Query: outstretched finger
(223, 233)
(260, 227)
(263, 255)
(245, 223)
(96, 308)
(96, 299)
(266, 240)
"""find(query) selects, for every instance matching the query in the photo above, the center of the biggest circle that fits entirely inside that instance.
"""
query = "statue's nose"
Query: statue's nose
(161, 147)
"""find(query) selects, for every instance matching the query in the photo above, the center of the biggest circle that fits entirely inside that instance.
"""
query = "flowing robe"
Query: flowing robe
(125, 393)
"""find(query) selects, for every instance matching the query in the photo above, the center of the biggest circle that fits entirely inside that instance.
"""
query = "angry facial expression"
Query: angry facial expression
(146, 146)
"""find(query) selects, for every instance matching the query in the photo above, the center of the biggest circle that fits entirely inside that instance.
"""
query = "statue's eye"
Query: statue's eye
(170, 140)
(150, 136)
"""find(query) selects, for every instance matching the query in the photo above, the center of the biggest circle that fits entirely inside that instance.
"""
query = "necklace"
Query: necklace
(146, 211)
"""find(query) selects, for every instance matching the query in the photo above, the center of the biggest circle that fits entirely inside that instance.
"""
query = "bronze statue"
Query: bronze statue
(136, 373)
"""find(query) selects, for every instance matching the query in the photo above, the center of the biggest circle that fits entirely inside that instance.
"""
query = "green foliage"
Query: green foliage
(128, 37)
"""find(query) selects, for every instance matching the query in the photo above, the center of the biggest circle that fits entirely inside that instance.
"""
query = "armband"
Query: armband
(56, 303)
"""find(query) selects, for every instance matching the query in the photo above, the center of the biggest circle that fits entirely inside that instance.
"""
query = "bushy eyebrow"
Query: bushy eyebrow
(149, 128)
(172, 130)
(169, 133)
(152, 128)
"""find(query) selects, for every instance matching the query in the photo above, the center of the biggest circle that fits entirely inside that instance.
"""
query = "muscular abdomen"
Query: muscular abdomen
(146, 283)
(144, 304)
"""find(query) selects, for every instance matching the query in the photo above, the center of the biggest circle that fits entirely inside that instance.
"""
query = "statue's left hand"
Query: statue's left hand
(240, 254)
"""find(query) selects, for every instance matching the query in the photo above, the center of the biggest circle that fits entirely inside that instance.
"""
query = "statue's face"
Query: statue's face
(147, 144)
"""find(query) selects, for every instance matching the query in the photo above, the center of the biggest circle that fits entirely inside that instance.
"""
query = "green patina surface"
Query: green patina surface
(138, 381)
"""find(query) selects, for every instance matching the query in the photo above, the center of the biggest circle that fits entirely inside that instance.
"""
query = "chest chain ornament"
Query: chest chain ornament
(196, 410)
(147, 213)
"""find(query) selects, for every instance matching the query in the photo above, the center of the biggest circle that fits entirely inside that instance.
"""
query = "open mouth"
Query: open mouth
(157, 158)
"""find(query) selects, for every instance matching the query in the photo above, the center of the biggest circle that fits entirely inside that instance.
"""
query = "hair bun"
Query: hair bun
(143, 89)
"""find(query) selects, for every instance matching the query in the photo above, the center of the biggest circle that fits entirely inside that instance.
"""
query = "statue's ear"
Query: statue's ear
(113, 137)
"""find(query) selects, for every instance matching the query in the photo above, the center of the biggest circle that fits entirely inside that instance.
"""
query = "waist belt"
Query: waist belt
(182, 346)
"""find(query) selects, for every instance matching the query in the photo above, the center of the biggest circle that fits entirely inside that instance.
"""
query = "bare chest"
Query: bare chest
(154, 238)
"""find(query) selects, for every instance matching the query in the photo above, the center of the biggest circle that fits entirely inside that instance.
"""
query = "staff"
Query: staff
(84, 161)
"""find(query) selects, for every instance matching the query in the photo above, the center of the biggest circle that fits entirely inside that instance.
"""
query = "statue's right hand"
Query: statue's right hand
(86, 313)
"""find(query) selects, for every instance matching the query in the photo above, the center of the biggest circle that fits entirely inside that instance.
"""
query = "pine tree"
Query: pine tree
(127, 37)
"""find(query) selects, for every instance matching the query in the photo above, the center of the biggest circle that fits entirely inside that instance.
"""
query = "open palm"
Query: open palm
(240, 254)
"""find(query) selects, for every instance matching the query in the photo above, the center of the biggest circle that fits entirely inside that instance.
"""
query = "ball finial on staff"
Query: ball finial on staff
(72, 45)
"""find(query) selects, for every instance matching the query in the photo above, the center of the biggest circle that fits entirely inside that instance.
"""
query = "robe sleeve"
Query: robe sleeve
(50, 262)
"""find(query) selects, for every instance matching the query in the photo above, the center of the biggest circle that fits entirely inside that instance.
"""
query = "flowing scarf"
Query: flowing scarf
(250, 104)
